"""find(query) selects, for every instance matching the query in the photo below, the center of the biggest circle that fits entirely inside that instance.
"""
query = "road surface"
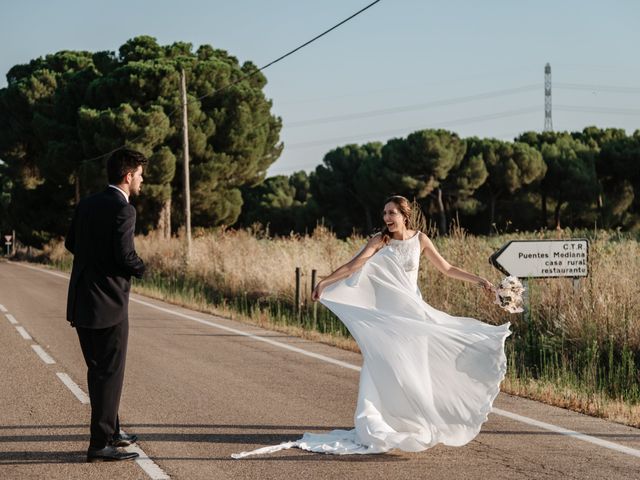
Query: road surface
(199, 388)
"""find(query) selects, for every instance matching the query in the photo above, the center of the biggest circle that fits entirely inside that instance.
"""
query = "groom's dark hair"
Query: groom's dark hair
(122, 162)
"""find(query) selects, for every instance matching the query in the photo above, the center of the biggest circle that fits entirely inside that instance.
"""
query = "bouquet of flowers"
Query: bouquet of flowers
(509, 294)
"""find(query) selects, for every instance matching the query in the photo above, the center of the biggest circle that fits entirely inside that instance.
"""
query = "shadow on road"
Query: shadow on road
(22, 458)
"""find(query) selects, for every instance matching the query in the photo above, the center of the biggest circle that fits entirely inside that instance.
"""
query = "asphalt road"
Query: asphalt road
(199, 388)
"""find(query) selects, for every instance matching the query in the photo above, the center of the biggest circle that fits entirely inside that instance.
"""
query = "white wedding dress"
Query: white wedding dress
(427, 377)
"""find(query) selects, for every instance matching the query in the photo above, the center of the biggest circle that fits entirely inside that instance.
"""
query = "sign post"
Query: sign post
(7, 242)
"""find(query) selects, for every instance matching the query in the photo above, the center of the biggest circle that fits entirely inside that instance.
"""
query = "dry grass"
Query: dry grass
(606, 305)
(567, 396)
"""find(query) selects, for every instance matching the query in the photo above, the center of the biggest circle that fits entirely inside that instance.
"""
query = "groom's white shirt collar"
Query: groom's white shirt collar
(126, 197)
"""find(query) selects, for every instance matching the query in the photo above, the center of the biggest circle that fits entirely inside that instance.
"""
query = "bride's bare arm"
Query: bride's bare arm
(429, 250)
(373, 245)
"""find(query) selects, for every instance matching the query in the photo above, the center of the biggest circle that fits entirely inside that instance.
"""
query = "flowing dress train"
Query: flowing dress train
(427, 377)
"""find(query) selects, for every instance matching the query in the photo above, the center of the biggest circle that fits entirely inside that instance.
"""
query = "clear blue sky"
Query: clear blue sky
(399, 53)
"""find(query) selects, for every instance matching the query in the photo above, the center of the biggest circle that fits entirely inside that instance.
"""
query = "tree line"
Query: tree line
(61, 112)
(542, 180)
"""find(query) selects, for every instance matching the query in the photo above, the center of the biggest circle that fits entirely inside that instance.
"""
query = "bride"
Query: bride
(427, 377)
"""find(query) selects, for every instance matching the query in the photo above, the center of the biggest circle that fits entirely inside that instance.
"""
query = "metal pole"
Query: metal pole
(185, 154)
(576, 284)
(526, 305)
(526, 317)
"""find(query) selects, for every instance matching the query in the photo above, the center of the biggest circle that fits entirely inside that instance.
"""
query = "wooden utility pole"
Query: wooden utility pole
(185, 154)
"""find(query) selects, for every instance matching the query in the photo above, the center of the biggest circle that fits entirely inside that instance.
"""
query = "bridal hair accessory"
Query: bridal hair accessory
(509, 294)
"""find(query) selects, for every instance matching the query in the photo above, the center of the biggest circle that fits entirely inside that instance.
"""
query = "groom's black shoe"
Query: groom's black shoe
(123, 440)
(109, 454)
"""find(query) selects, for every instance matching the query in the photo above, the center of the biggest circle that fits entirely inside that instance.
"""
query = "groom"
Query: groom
(104, 260)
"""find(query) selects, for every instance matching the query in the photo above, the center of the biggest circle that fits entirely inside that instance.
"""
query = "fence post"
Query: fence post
(297, 299)
(314, 276)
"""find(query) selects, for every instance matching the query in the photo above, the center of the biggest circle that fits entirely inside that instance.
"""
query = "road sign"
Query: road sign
(8, 238)
(543, 258)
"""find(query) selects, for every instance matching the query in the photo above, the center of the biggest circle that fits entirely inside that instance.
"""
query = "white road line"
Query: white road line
(44, 356)
(228, 329)
(580, 436)
(318, 356)
(530, 421)
(3, 308)
(75, 389)
(150, 467)
(43, 270)
(23, 333)
(520, 418)
(11, 318)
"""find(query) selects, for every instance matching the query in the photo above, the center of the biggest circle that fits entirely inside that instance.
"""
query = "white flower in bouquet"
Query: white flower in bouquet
(509, 295)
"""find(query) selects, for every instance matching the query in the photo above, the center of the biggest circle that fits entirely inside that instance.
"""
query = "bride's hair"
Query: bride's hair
(412, 213)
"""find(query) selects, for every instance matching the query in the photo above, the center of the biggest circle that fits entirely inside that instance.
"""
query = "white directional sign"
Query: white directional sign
(543, 258)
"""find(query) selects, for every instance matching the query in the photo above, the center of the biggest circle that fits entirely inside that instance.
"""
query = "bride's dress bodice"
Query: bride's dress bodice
(407, 253)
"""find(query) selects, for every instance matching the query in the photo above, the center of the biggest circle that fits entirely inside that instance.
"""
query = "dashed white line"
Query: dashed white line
(11, 318)
(148, 465)
(3, 308)
(44, 356)
(520, 418)
(151, 468)
(23, 333)
(73, 386)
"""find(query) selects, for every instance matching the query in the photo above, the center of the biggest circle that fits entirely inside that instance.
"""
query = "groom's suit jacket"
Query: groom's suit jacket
(104, 260)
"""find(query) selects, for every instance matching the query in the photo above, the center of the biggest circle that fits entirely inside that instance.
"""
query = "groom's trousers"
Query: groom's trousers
(105, 351)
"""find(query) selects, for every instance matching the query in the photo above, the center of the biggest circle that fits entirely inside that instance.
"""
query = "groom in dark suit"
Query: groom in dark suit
(104, 260)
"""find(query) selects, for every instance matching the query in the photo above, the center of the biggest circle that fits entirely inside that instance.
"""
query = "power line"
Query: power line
(247, 76)
(601, 88)
(453, 101)
(404, 88)
(411, 108)
(360, 93)
(606, 110)
(460, 121)
(303, 166)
